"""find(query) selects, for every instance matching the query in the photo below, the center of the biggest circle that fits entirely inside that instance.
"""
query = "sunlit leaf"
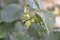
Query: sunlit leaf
(28, 24)
(38, 18)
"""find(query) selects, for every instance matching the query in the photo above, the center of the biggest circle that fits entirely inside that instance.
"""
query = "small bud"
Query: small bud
(33, 20)
(28, 24)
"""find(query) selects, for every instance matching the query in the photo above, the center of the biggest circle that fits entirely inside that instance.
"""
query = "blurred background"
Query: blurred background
(52, 5)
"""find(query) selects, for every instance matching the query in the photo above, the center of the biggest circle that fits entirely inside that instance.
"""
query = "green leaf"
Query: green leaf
(38, 18)
(0, 16)
(2, 38)
(49, 20)
(3, 33)
(4, 28)
(11, 13)
(56, 36)
(17, 36)
(20, 33)
(34, 31)
(28, 24)
(10, 1)
(19, 26)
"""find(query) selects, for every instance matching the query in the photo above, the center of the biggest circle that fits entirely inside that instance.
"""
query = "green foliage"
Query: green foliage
(36, 25)
(10, 1)
(11, 13)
